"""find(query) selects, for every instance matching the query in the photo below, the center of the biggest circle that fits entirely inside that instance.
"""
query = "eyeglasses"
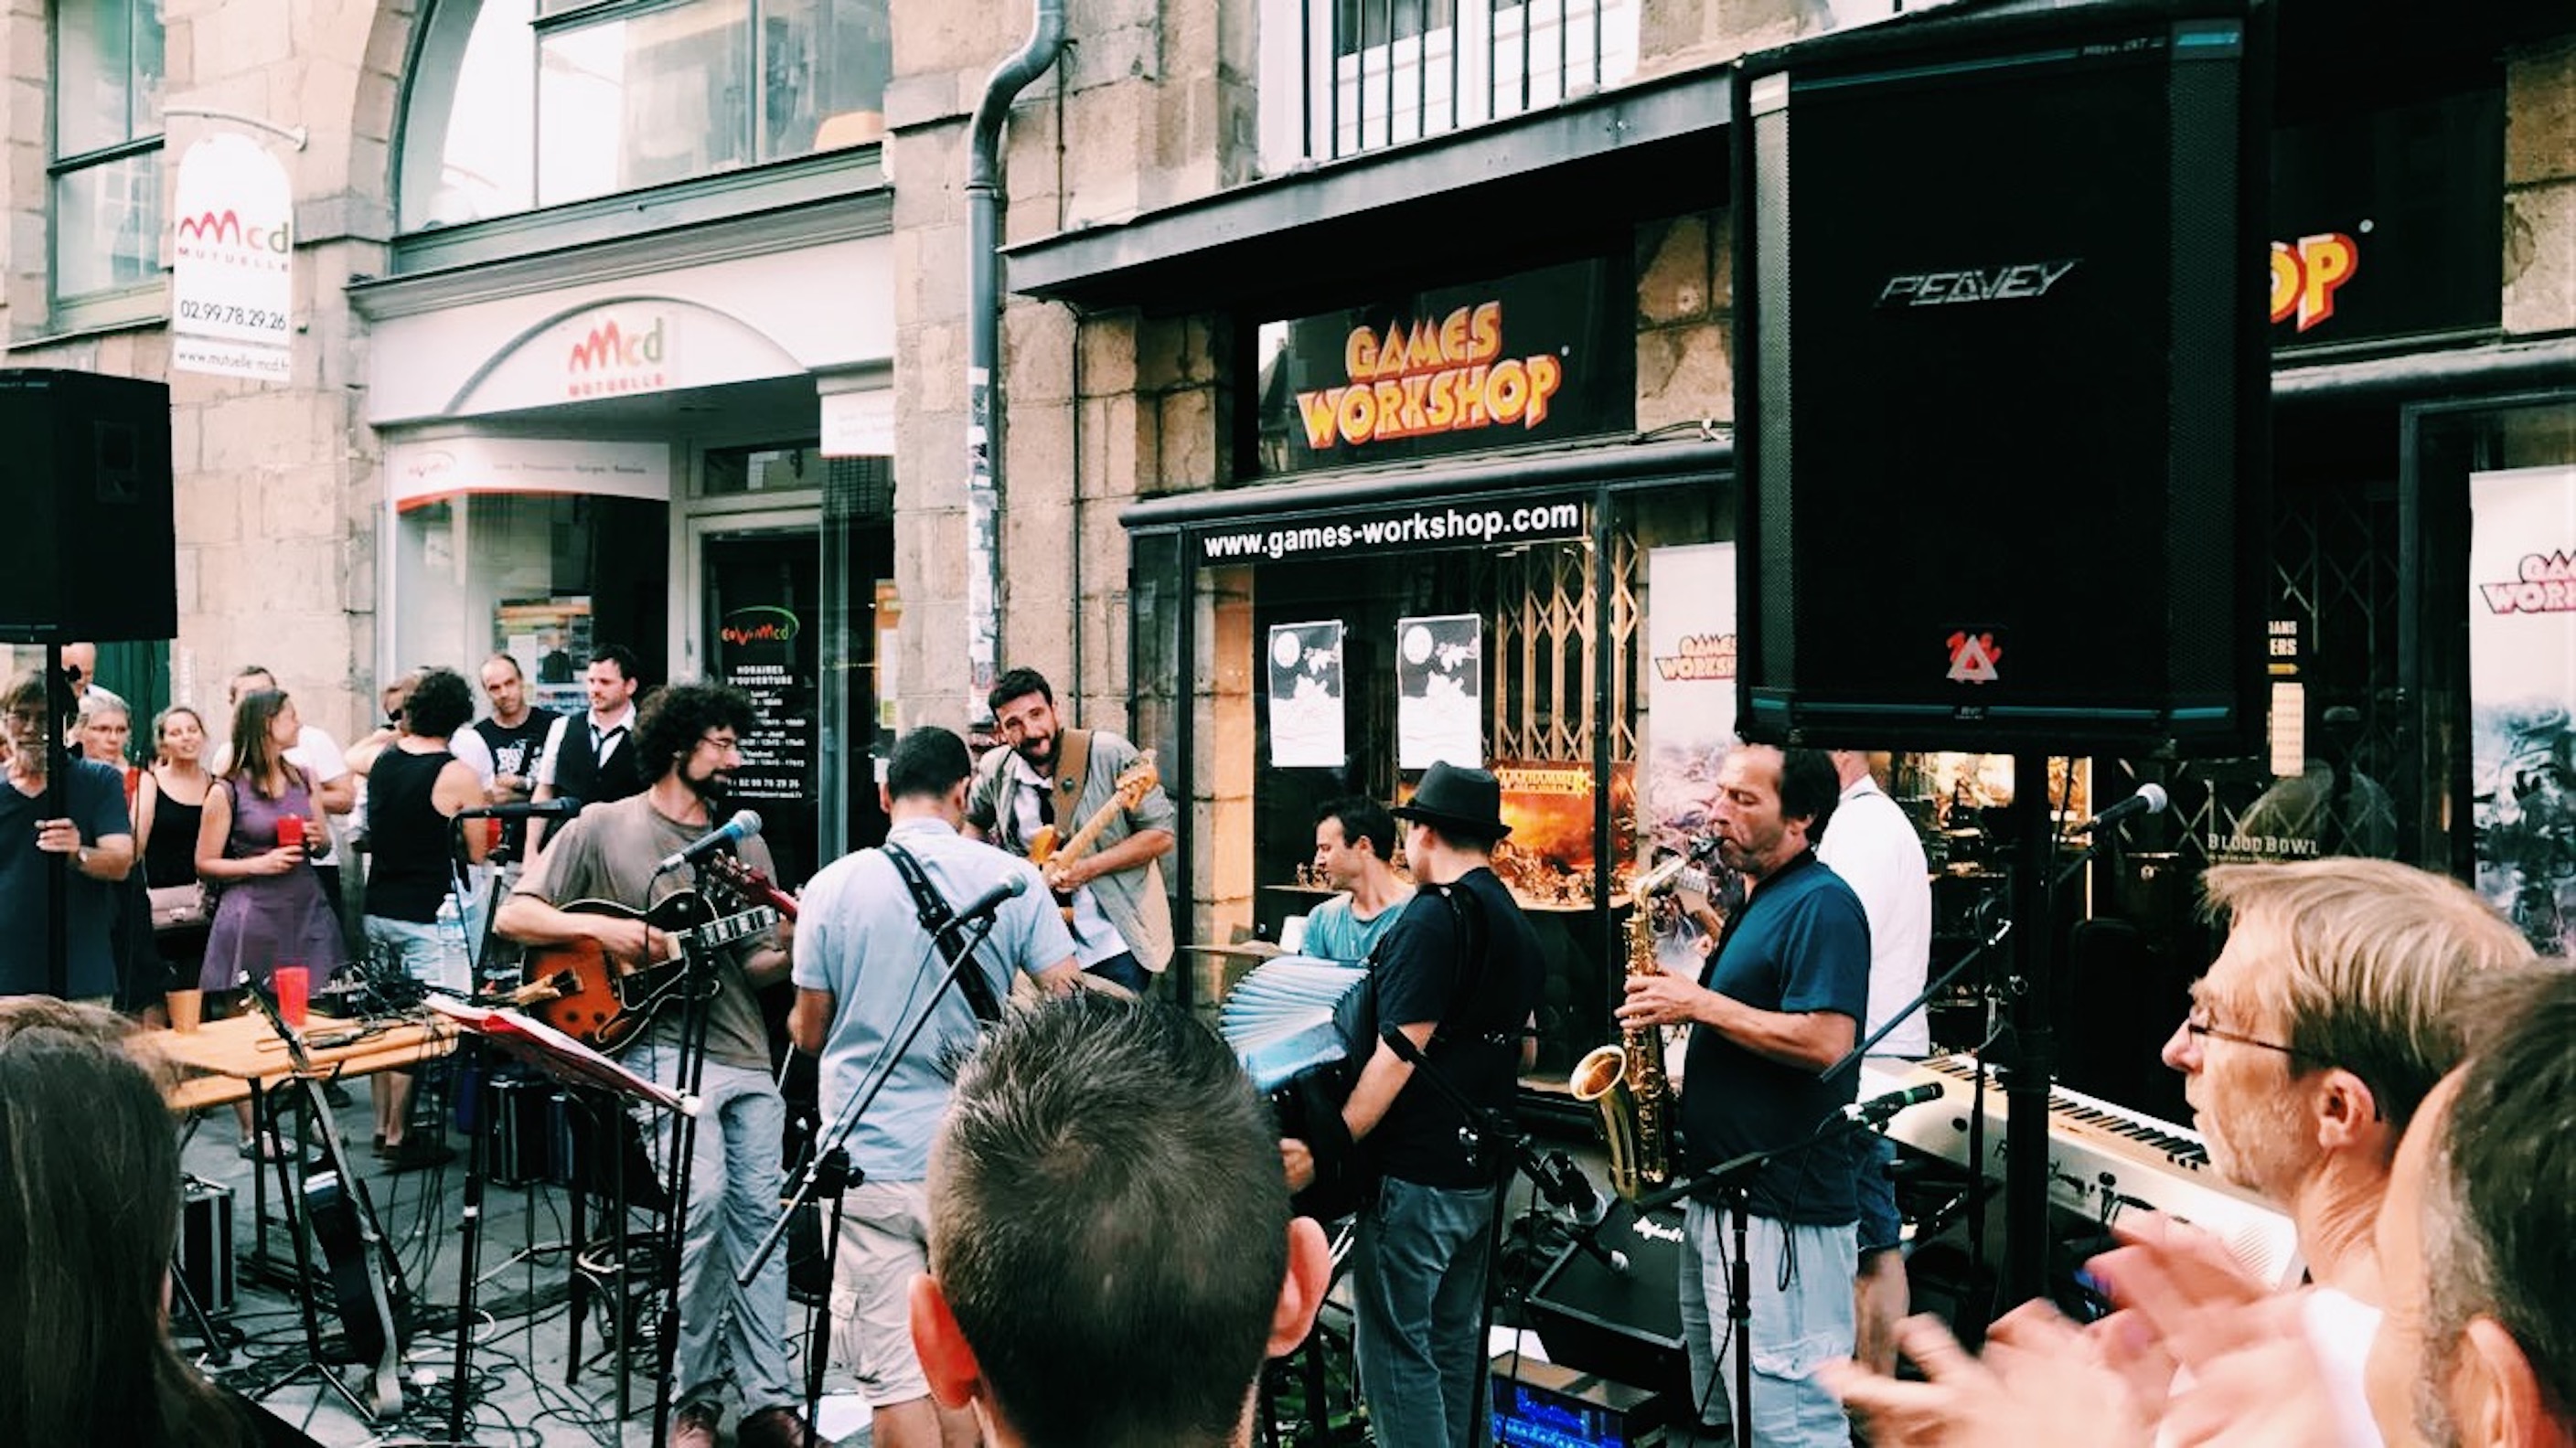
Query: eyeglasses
(2198, 1023)
(721, 746)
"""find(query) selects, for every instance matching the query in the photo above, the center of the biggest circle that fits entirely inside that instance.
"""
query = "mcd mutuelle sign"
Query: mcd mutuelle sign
(232, 262)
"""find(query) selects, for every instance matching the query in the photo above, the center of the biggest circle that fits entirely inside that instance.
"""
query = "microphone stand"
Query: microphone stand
(829, 1172)
(698, 984)
(1731, 1183)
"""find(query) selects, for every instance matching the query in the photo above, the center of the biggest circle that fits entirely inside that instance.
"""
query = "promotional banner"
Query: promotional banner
(232, 262)
(1306, 718)
(1690, 687)
(1440, 691)
(2522, 696)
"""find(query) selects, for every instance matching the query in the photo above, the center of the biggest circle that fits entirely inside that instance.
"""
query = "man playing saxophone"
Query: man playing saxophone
(1781, 1000)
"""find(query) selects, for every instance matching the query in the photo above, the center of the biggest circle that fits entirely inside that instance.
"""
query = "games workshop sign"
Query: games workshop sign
(1542, 356)
(2388, 224)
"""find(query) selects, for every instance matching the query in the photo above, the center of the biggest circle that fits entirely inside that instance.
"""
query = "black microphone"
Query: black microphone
(732, 832)
(563, 807)
(1877, 1109)
(2149, 800)
(1010, 887)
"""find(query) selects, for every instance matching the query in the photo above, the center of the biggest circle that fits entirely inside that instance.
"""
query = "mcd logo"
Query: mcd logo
(225, 228)
(608, 345)
(2306, 275)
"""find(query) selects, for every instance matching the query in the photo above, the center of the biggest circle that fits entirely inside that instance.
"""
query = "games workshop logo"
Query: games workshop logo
(1448, 375)
(2016, 282)
(2547, 585)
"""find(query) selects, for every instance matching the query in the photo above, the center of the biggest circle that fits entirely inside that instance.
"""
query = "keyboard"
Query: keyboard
(2104, 1159)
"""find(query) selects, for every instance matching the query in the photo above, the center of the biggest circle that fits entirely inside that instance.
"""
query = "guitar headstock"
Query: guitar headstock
(1137, 779)
(747, 884)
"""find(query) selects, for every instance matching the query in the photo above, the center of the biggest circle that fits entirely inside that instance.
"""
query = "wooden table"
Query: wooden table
(242, 1059)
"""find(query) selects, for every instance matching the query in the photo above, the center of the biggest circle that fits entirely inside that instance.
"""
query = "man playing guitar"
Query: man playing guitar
(687, 741)
(1052, 781)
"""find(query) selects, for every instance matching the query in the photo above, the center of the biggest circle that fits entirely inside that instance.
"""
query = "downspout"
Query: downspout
(984, 410)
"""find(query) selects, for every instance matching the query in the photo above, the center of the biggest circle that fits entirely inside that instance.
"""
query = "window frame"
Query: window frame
(109, 304)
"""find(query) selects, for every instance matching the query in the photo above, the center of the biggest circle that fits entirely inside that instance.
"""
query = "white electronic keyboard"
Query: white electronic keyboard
(2102, 1160)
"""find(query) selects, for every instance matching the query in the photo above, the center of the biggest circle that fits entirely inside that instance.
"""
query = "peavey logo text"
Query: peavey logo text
(1448, 375)
(2019, 282)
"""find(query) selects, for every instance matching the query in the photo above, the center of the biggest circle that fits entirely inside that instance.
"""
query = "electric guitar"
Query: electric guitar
(1133, 782)
(608, 1002)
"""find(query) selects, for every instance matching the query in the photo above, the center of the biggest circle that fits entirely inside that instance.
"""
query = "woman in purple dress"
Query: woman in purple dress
(271, 911)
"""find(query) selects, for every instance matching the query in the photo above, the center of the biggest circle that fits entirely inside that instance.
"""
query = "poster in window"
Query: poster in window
(1440, 688)
(550, 637)
(1306, 696)
(1690, 713)
(2522, 697)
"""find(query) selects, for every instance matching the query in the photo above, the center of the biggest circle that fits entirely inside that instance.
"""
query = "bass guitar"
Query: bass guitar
(605, 1002)
(1046, 851)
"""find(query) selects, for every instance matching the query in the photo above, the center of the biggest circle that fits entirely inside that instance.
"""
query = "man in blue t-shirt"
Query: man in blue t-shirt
(864, 971)
(1354, 839)
(1781, 1000)
(93, 835)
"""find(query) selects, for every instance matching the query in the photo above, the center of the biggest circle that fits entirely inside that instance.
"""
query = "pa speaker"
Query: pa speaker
(1622, 1321)
(2001, 380)
(89, 550)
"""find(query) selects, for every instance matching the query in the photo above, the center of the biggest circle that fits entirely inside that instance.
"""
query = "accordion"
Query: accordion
(1303, 1028)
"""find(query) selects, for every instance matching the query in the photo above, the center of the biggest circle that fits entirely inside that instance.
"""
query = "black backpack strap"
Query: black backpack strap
(935, 915)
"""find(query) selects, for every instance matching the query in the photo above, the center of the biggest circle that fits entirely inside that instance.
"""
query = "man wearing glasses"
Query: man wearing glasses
(732, 1339)
(2312, 1040)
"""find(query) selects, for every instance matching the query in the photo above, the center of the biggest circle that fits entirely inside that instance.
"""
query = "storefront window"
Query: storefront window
(545, 577)
(107, 145)
(512, 108)
(1333, 668)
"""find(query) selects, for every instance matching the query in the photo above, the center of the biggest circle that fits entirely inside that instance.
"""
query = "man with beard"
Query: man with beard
(95, 838)
(687, 738)
(1059, 777)
(1782, 999)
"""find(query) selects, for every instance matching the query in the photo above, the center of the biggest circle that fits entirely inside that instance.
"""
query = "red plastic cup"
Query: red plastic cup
(294, 986)
(290, 832)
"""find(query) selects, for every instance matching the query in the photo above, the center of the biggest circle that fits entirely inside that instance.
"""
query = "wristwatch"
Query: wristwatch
(80, 858)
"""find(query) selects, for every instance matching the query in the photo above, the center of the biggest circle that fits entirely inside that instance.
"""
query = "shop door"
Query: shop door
(762, 631)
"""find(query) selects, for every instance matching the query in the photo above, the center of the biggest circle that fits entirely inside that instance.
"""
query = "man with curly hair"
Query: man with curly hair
(688, 743)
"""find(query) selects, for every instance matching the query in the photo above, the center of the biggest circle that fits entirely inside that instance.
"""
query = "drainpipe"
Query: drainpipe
(984, 411)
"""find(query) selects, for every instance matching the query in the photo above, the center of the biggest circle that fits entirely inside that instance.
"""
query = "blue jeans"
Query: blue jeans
(1882, 1227)
(1418, 1294)
(433, 953)
(728, 1333)
(1122, 969)
(1794, 1330)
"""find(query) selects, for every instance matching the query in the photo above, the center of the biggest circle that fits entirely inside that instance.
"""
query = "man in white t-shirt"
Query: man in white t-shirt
(1874, 848)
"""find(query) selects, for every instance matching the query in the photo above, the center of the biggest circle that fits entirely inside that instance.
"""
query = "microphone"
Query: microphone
(563, 807)
(1877, 1109)
(1010, 887)
(732, 832)
(1569, 1190)
(2149, 800)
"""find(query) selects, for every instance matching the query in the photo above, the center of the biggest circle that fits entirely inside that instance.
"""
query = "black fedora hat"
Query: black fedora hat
(1468, 802)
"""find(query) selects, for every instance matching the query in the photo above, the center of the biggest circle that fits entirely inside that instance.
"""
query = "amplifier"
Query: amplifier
(1630, 1323)
(1548, 1405)
(206, 1243)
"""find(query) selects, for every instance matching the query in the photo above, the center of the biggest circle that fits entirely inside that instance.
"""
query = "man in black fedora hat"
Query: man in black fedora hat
(1457, 978)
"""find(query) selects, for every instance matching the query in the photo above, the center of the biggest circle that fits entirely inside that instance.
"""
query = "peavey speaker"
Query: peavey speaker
(1623, 1322)
(2001, 380)
(89, 550)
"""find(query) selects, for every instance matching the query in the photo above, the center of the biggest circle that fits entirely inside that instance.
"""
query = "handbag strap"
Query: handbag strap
(936, 914)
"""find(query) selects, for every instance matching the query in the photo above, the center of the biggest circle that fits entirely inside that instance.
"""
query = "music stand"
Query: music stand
(568, 1061)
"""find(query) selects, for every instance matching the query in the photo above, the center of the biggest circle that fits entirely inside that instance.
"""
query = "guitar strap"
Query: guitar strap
(1072, 772)
(935, 915)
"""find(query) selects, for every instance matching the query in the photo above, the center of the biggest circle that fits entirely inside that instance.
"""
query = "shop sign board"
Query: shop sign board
(2388, 224)
(232, 261)
(1399, 528)
(1542, 356)
(765, 652)
(429, 471)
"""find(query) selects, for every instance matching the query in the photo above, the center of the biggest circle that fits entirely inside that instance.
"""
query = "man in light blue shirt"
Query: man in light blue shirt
(864, 970)
(1354, 839)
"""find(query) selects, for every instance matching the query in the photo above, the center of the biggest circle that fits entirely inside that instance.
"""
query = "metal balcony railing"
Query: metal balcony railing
(1380, 73)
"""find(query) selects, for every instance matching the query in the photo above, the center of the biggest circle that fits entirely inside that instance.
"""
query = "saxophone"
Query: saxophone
(1626, 1081)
